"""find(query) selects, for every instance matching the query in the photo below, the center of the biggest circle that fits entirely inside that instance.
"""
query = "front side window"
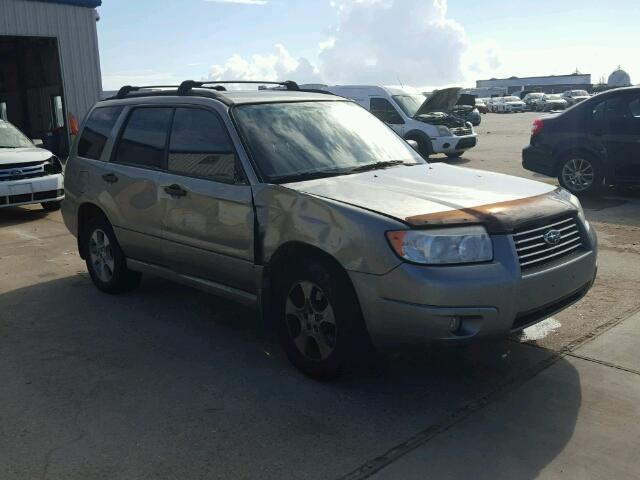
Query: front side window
(382, 109)
(97, 131)
(289, 140)
(144, 137)
(200, 147)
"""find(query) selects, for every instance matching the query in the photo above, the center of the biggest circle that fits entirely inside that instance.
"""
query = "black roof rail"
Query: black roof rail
(127, 89)
(187, 85)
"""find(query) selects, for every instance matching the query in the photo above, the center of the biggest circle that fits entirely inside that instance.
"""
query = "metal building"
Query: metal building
(547, 84)
(49, 66)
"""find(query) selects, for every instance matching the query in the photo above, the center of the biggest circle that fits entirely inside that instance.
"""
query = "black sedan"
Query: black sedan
(595, 142)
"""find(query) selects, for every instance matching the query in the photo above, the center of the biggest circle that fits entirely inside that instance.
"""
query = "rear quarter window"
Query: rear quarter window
(97, 130)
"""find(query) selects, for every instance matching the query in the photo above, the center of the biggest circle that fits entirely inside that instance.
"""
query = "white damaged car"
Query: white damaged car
(28, 174)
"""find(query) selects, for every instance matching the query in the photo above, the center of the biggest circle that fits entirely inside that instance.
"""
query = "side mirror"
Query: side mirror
(413, 144)
(37, 142)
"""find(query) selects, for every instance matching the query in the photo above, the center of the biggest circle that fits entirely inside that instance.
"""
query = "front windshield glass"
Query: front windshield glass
(579, 93)
(409, 103)
(290, 140)
(511, 99)
(11, 137)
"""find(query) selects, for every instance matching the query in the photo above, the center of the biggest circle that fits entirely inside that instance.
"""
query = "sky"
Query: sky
(419, 43)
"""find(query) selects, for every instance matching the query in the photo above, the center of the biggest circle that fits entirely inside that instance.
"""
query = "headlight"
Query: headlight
(443, 246)
(567, 195)
(53, 166)
(443, 131)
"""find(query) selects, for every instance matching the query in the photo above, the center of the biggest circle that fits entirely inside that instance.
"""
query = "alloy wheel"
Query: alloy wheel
(310, 320)
(101, 255)
(578, 174)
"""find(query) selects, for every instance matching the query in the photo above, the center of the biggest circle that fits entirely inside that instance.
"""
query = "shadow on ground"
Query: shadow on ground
(12, 216)
(170, 382)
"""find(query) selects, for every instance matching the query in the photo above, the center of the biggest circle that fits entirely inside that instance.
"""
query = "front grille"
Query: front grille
(465, 143)
(534, 250)
(28, 197)
(18, 172)
(460, 131)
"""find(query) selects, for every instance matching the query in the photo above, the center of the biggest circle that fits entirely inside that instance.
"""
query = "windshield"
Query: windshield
(11, 137)
(409, 103)
(511, 99)
(579, 93)
(289, 140)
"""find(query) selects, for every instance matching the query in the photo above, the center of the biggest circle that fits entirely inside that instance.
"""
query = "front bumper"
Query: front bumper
(454, 143)
(31, 190)
(415, 304)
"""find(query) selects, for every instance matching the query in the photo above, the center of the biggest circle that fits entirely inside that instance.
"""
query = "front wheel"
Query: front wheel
(51, 206)
(580, 174)
(106, 263)
(318, 319)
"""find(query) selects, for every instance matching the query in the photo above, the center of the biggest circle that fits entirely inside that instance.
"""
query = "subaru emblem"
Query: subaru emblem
(552, 237)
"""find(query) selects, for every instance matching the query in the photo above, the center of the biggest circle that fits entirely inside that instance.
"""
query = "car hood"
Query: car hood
(440, 101)
(23, 155)
(437, 194)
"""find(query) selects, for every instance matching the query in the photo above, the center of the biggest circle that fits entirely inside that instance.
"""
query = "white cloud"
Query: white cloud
(277, 65)
(412, 42)
(240, 2)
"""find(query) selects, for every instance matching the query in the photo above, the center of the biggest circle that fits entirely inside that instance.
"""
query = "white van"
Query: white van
(415, 117)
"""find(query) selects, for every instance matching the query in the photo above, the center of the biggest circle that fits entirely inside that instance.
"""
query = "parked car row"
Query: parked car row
(534, 101)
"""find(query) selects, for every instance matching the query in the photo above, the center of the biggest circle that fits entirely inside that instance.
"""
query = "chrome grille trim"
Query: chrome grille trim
(533, 251)
(16, 172)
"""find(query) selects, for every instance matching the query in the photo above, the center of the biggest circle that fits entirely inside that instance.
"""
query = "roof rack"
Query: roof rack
(186, 86)
(127, 89)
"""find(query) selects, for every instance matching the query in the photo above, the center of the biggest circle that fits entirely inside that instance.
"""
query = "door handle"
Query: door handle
(175, 190)
(110, 177)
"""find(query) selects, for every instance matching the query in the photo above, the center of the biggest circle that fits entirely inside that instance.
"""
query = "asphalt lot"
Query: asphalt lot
(168, 382)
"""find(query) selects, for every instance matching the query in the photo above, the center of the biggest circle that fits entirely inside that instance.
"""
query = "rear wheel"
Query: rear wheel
(580, 174)
(318, 319)
(105, 261)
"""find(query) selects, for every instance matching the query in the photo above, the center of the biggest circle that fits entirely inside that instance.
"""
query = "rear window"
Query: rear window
(97, 131)
(144, 138)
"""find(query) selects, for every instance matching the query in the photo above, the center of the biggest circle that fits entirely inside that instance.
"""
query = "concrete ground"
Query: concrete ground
(168, 382)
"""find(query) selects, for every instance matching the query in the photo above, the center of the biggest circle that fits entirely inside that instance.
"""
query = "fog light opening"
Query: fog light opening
(446, 145)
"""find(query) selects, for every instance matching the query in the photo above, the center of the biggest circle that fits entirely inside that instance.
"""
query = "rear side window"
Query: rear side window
(199, 146)
(97, 131)
(144, 138)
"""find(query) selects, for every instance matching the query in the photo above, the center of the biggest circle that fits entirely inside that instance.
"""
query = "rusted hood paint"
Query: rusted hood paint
(438, 194)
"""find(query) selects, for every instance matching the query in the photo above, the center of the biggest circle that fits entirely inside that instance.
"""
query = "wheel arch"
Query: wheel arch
(285, 255)
(86, 212)
(566, 150)
(419, 135)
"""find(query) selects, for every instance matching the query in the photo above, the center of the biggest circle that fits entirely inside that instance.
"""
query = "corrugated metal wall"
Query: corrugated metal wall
(75, 29)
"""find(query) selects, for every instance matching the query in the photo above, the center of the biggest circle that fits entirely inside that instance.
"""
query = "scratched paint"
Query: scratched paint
(540, 330)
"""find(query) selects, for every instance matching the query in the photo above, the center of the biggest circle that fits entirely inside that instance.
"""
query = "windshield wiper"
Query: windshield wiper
(300, 177)
(378, 165)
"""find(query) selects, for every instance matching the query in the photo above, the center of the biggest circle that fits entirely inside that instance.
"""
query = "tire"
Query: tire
(104, 258)
(590, 179)
(454, 154)
(51, 206)
(424, 145)
(318, 319)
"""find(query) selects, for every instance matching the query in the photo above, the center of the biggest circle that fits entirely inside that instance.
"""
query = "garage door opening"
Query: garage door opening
(31, 93)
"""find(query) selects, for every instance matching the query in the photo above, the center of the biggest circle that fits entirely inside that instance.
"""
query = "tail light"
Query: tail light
(537, 127)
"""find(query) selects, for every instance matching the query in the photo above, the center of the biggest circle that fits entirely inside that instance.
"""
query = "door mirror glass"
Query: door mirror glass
(37, 142)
